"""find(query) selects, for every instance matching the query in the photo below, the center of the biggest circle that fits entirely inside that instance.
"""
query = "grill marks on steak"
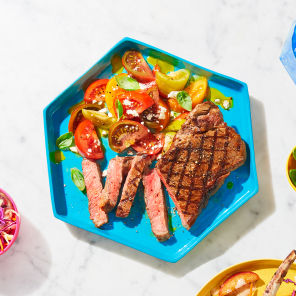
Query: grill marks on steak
(201, 157)
(131, 185)
(118, 168)
(156, 204)
(93, 183)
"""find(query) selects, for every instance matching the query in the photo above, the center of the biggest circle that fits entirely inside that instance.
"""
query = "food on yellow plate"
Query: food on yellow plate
(174, 81)
(239, 284)
(197, 90)
(112, 90)
(277, 279)
(242, 283)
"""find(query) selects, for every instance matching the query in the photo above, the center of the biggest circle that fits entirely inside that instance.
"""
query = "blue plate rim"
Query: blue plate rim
(194, 242)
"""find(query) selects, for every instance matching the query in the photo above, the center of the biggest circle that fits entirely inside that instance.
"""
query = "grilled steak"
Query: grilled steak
(203, 153)
(118, 168)
(156, 204)
(131, 185)
(92, 178)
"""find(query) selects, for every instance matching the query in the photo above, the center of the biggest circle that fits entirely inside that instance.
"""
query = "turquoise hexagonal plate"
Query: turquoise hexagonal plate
(71, 206)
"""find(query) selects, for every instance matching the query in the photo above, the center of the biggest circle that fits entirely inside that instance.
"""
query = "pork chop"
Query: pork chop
(118, 168)
(131, 185)
(156, 204)
(93, 183)
(203, 153)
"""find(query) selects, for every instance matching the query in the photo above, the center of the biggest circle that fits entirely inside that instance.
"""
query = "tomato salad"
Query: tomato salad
(136, 109)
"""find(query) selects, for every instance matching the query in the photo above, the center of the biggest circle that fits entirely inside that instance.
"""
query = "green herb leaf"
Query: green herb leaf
(184, 100)
(65, 141)
(119, 109)
(127, 83)
(77, 178)
(292, 174)
(294, 153)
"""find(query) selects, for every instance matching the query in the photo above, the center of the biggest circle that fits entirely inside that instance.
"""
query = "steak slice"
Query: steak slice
(118, 168)
(203, 153)
(93, 183)
(156, 205)
(131, 185)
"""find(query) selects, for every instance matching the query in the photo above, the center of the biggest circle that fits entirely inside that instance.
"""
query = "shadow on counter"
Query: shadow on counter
(249, 216)
(26, 265)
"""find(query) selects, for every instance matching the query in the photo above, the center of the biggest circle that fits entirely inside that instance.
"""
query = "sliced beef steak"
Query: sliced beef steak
(118, 168)
(93, 183)
(131, 185)
(156, 204)
(203, 153)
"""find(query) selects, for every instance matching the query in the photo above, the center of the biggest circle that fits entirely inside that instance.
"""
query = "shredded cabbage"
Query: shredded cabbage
(290, 281)
(7, 222)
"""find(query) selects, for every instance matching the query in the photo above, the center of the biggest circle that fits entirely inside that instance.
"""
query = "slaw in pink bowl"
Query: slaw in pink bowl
(9, 221)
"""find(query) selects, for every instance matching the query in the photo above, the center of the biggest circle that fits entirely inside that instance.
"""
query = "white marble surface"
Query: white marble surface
(46, 45)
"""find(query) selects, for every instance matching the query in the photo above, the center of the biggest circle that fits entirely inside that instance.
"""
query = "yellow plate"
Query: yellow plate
(265, 268)
(291, 164)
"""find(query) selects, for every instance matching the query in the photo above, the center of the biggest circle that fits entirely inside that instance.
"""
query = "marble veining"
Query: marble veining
(46, 45)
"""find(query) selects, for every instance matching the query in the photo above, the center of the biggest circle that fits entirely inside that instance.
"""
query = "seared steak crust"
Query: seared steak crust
(131, 185)
(201, 157)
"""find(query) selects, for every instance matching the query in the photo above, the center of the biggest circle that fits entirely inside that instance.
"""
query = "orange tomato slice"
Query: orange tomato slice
(197, 91)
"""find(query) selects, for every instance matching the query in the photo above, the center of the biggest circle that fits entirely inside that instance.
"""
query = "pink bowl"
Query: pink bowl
(18, 224)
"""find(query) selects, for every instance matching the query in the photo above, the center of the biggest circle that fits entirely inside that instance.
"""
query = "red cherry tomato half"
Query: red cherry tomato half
(77, 117)
(182, 116)
(156, 69)
(135, 65)
(123, 134)
(87, 141)
(152, 144)
(96, 91)
(133, 103)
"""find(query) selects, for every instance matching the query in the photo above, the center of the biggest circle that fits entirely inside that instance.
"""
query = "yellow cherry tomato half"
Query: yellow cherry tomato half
(174, 81)
(112, 90)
